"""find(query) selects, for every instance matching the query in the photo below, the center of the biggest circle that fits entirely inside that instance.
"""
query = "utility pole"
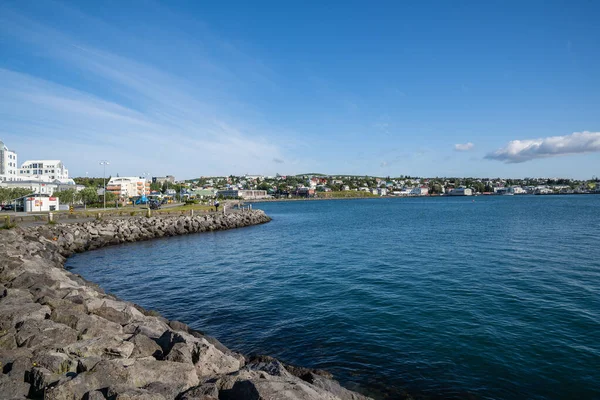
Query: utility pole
(104, 163)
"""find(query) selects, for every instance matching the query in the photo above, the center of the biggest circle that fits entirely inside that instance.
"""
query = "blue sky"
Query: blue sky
(493, 88)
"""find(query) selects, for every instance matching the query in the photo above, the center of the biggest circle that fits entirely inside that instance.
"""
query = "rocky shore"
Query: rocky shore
(62, 337)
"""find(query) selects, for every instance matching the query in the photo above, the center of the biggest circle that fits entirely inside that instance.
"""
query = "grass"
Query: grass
(195, 207)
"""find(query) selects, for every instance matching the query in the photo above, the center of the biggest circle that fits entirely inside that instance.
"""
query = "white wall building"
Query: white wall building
(461, 191)
(52, 169)
(244, 194)
(40, 203)
(128, 186)
(9, 171)
(41, 186)
(420, 191)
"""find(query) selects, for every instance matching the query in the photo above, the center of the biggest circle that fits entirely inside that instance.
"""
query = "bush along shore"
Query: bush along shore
(62, 337)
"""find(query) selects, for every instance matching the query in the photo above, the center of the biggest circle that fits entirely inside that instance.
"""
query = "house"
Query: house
(461, 191)
(304, 192)
(420, 191)
(243, 194)
(163, 179)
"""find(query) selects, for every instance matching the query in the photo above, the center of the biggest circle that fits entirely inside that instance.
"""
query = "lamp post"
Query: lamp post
(104, 163)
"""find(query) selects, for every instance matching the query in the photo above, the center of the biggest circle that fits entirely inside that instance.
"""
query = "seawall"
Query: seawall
(62, 337)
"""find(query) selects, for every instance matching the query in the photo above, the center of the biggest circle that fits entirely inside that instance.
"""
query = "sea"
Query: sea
(426, 298)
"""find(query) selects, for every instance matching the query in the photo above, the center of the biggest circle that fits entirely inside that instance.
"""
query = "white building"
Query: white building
(128, 186)
(420, 191)
(39, 203)
(52, 169)
(461, 191)
(9, 171)
(44, 187)
(244, 194)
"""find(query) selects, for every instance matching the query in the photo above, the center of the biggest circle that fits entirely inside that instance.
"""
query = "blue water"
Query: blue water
(492, 298)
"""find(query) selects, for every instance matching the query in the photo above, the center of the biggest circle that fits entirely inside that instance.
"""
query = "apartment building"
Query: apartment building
(9, 171)
(128, 186)
(52, 169)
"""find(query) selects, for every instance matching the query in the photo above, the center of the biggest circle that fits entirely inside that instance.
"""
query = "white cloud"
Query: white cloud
(518, 151)
(464, 146)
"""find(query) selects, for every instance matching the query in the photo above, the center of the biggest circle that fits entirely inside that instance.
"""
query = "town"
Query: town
(45, 185)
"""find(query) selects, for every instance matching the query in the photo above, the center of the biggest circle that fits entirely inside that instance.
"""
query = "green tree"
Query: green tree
(110, 197)
(479, 187)
(89, 195)
(435, 188)
(68, 196)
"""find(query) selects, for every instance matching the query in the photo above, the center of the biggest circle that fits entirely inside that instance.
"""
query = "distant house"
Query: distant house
(461, 191)
(243, 194)
(420, 191)
(304, 192)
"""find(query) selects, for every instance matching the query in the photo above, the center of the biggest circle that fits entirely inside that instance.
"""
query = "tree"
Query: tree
(435, 188)
(110, 196)
(9, 194)
(67, 196)
(89, 195)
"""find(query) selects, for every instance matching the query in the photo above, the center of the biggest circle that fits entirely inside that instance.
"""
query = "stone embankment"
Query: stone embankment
(62, 337)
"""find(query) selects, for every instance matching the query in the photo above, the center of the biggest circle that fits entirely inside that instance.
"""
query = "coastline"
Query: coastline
(62, 337)
(403, 197)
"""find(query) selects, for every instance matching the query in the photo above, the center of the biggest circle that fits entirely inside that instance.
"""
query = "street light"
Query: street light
(104, 163)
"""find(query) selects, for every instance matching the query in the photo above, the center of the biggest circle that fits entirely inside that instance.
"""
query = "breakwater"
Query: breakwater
(62, 337)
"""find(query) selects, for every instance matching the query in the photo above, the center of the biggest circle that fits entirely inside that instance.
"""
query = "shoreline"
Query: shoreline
(407, 197)
(62, 337)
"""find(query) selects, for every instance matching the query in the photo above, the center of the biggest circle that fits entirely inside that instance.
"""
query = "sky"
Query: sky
(198, 88)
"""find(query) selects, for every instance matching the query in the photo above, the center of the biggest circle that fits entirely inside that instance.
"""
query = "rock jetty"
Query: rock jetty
(62, 337)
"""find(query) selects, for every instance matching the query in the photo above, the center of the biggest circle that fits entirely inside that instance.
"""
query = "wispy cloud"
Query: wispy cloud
(278, 160)
(137, 113)
(464, 146)
(518, 151)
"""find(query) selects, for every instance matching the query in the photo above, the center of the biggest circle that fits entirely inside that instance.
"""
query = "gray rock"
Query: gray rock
(205, 391)
(127, 373)
(109, 347)
(13, 389)
(7, 339)
(15, 311)
(119, 393)
(20, 367)
(41, 378)
(113, 315)
(45, 333)
(56, 363)
(144, 347)
(87, 363)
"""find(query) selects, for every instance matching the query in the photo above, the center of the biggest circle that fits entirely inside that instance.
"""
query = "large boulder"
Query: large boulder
(45, 333)
(106, 347)
(126, 374)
